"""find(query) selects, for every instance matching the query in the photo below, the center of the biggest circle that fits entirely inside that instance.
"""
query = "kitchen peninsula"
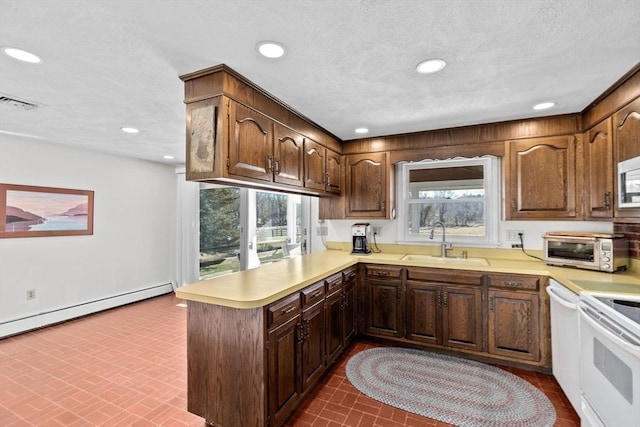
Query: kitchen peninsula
(259, 340)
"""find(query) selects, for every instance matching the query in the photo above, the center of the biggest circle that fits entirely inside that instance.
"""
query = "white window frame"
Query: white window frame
(492, 191)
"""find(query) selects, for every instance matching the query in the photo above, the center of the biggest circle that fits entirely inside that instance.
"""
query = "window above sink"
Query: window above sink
(461, 193)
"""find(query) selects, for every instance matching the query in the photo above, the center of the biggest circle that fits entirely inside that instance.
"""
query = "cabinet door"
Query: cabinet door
(541, 178)
(514, 325)
(314, 164)
(385, 308)
(250, 143)
(287, 156)
(423, 312)
(283, 352)
(598, 171)
(462, 317)
(626, 143)
(367, 186)
(335, 326)
(349, 311)
(313, 346)
(334, 172)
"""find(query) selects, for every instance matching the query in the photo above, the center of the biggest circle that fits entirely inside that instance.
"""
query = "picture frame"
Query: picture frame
(31, 211)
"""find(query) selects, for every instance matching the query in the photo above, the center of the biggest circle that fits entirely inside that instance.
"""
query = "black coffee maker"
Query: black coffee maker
(360, 231)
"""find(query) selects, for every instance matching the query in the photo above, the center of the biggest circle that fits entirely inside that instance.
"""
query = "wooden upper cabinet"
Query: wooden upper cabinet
(540, 176)
(598, 171)
(323, 168)
(288, 153)
(255, 153)
(237, 134)
(314, 165)
(250, 143)
(626, 132)
(334, 172)
(626, 143)
(368, 186)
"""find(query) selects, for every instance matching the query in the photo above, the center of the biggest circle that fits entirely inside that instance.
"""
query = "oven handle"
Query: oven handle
(558, 298)
(632, 347)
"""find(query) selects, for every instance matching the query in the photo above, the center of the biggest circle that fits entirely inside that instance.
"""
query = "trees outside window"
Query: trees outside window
(238, 222)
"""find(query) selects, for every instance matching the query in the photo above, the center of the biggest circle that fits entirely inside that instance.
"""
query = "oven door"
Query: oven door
(609, 372)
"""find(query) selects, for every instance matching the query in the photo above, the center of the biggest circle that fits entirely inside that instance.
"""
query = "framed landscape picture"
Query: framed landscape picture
(28, 211)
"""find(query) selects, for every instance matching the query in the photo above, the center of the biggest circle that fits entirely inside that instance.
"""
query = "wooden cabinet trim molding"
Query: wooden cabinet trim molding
(620, 94)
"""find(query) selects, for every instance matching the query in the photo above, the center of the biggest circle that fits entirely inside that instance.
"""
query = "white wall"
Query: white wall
(340, 230)
(133, 245)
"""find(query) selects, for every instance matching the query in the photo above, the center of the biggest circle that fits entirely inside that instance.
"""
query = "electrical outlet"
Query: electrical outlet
(516, 245)
(512, 235)
(376, 230)
(31, 294)
(322, 230)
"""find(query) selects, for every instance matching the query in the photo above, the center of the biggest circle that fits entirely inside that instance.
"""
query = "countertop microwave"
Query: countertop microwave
(591, 251)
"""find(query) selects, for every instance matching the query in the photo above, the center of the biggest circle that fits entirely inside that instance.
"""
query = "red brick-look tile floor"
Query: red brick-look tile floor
(127, 367)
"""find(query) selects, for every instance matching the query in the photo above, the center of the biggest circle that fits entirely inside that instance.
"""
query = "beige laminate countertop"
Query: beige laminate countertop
(261, 286)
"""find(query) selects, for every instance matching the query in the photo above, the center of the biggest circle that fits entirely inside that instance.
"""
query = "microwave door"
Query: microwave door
(629, 182)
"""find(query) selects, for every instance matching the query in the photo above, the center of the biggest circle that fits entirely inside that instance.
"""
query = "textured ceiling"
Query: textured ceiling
(349, 63)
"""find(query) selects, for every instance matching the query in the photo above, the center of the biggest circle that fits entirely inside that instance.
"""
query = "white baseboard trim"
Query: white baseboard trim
(17, 326)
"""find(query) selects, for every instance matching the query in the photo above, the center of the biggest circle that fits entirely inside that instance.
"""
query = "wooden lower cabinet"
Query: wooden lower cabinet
(341, 313)
(349, 312)
(514, 325)
(446, 314)
(284, 355)
(462, 317)
(489, 316)
(257, 372)
(518, 318)
(384, 300)
(313, 344)
(423, 313)
(335, 326)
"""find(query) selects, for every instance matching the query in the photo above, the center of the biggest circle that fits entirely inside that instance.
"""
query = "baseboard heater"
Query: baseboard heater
(47, 318)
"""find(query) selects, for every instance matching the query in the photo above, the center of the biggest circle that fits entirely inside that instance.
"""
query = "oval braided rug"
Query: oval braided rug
(449, 389)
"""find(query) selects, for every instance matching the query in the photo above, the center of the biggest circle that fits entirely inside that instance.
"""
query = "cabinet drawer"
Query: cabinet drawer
(312, 294)
(334, 283)
(515, 281)
(350, 274)
(439, 275)
(283, 310)
(384, 271)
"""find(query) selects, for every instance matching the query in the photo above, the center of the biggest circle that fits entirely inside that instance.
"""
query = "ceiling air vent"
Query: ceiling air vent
(13, 102)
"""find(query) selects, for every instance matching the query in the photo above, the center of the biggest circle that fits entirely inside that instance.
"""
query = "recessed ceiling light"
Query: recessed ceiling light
(129, 130)
(270, 49)
(544, 105)
(431, 66)
(167, 157)
(22, 55)
(361, 130)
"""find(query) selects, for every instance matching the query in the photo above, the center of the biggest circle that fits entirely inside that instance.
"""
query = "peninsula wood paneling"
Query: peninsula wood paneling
(216, 351)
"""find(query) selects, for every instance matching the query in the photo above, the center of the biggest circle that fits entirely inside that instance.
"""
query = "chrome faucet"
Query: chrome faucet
(444, 246)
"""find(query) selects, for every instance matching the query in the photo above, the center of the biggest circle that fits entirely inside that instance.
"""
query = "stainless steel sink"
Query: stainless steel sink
(432, 259)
